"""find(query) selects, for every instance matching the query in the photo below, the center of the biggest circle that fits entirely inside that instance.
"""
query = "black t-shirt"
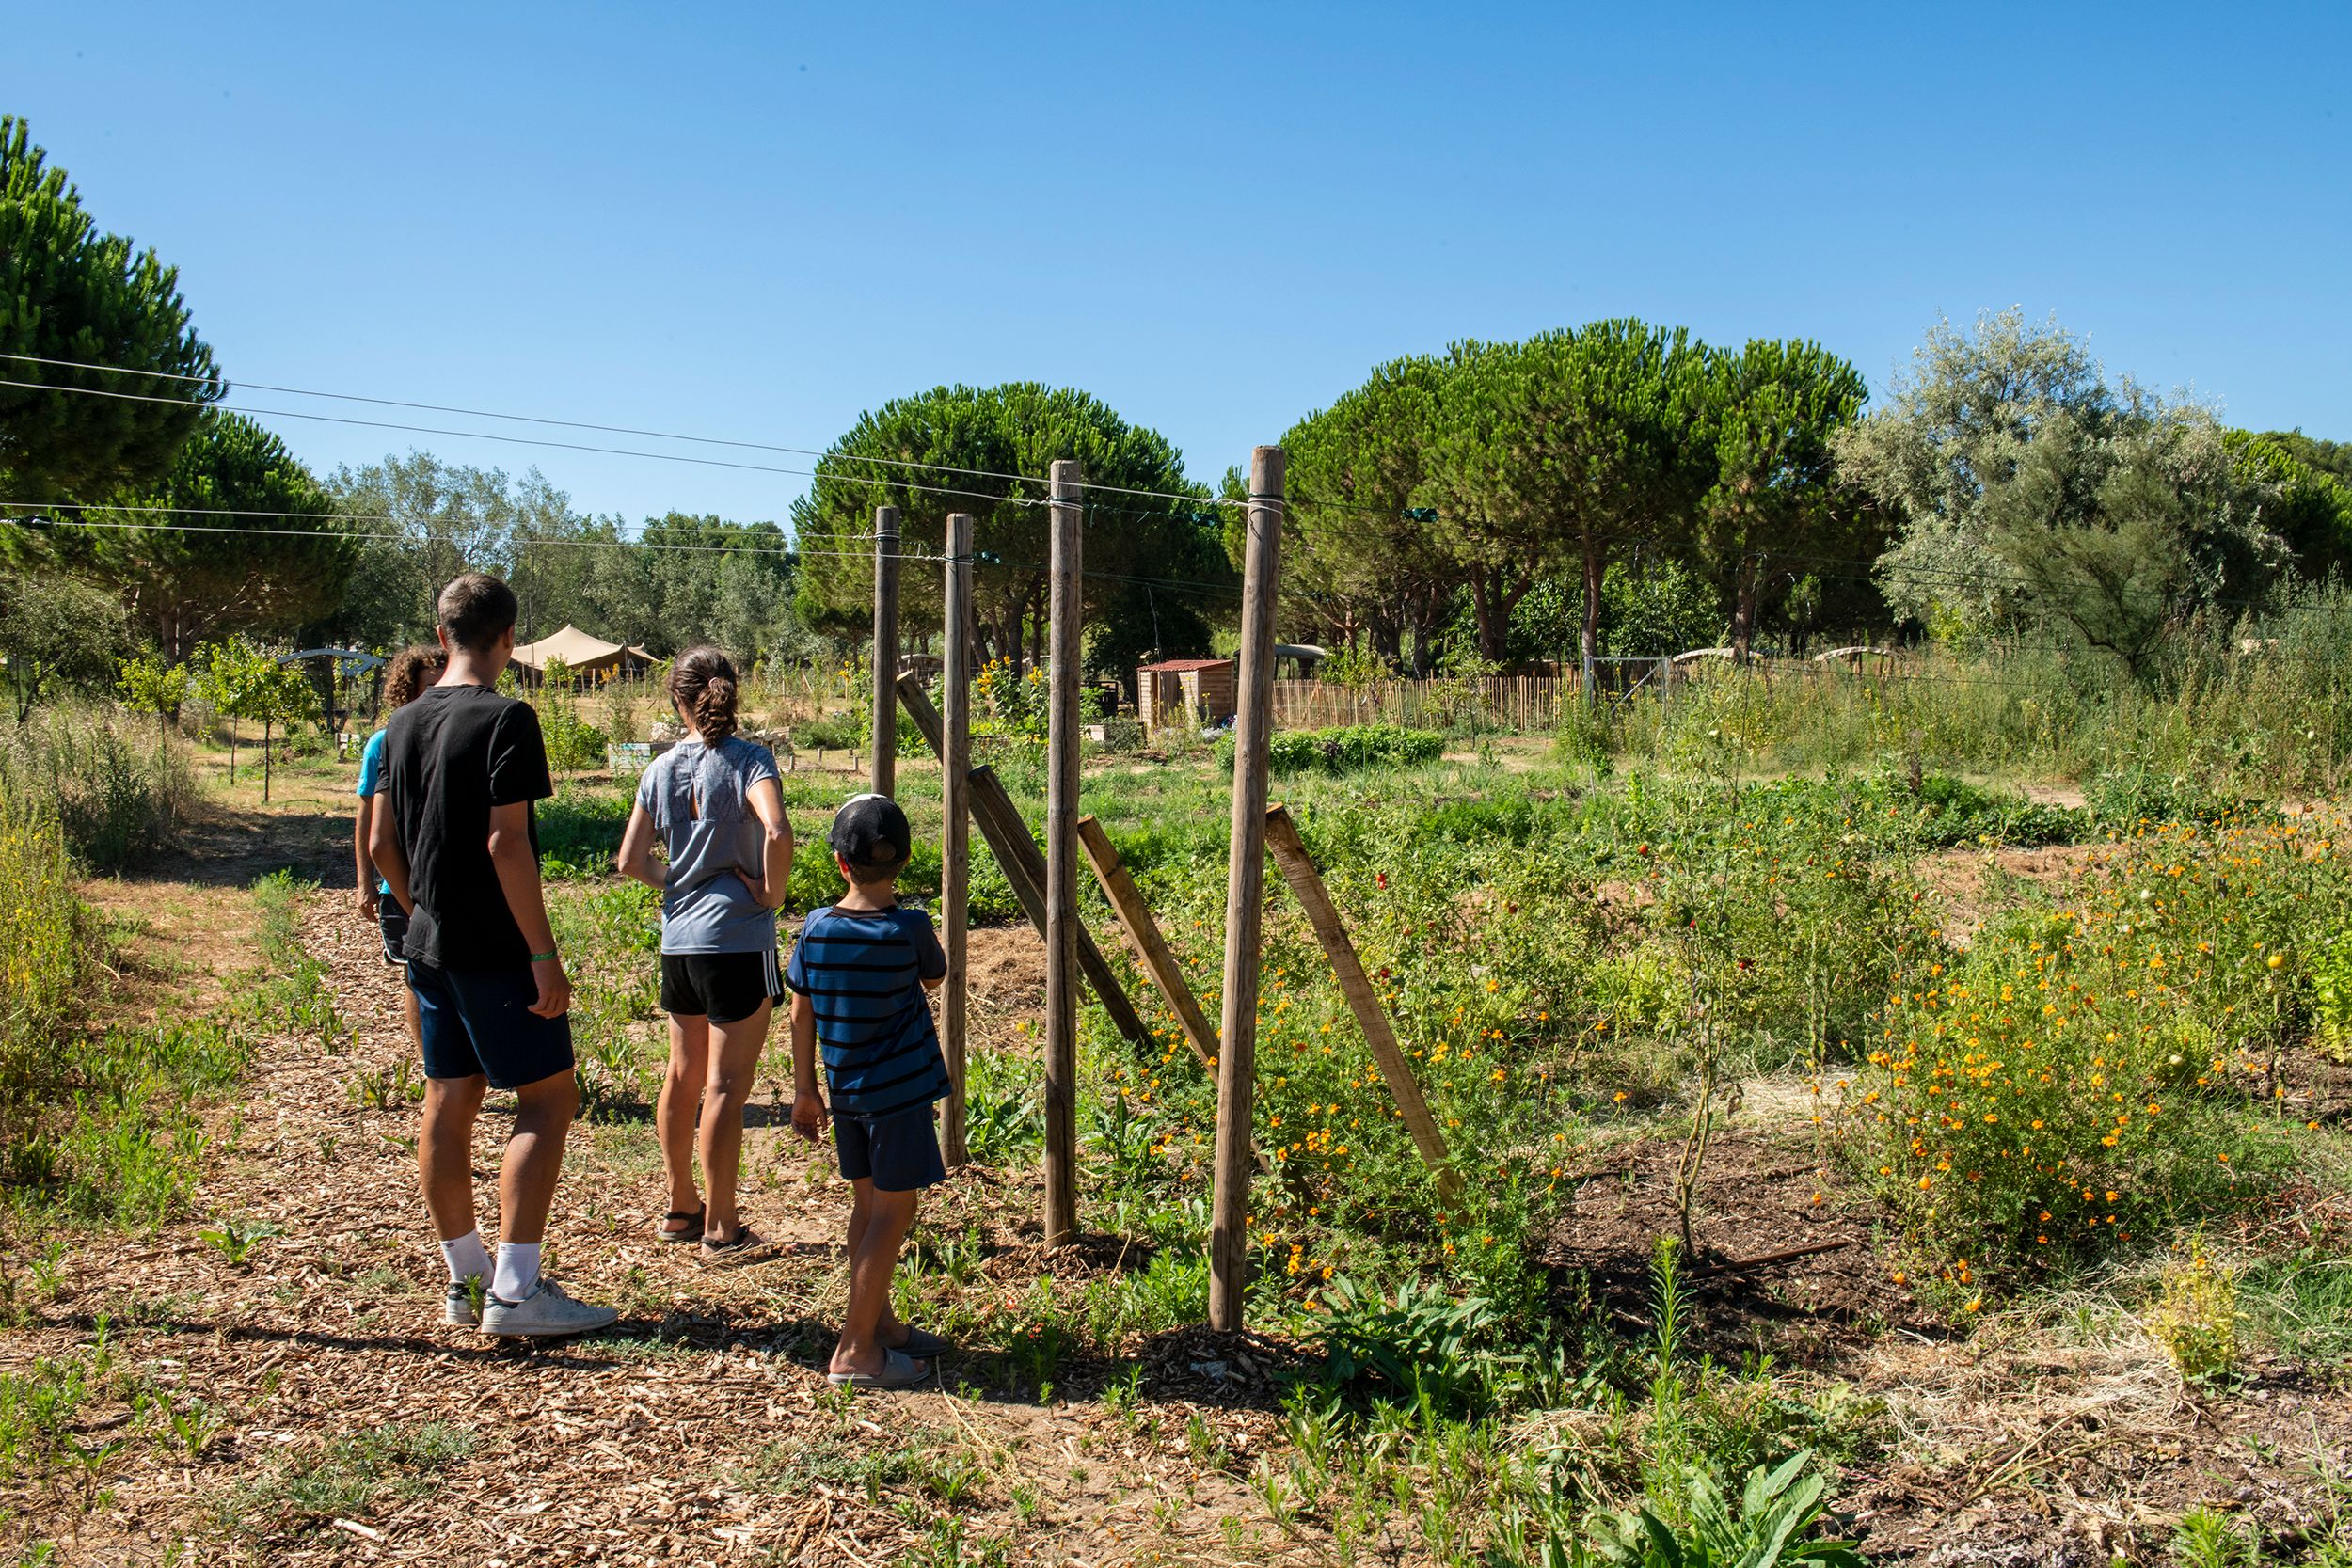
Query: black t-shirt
(449, 757)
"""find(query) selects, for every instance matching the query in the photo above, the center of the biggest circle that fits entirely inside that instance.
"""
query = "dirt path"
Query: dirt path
(354, 1428)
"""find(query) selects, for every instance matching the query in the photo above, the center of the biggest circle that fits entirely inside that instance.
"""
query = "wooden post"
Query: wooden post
(1143, 934)
(883, 779)
(1298, 869)
(1017, 856)
(955, 845)
(1062, 862)
(1245, 897)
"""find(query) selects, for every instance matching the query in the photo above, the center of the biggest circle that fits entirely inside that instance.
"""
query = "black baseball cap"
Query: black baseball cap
(871, 833)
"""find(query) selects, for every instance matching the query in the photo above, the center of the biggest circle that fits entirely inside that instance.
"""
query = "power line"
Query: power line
(574, 424)
(515, 440)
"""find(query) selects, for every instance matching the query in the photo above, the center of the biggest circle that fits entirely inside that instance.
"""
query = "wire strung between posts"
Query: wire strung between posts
(515, 440)
(823, 456)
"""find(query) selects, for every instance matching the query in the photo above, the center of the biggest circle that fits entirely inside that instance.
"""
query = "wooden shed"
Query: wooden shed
(1167, 691)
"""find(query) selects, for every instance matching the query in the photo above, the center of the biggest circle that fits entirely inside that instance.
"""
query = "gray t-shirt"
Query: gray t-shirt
(698, 798)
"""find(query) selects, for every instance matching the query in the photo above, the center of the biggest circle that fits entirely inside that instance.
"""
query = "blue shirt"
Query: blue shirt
(371, 782)
(698, 798)
(862, 971)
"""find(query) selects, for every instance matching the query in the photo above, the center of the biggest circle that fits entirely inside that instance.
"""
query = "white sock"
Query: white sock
(466, 1258)
(517, 1271)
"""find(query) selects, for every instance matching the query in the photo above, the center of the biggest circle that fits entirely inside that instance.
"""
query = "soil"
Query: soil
(2020, 1444)
(1955, 878)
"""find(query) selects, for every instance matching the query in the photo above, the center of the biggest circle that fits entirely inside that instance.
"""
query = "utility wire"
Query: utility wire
(580, 425)
(515, 440)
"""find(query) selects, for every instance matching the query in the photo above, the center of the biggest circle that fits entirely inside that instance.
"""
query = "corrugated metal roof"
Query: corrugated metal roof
(1175, 665)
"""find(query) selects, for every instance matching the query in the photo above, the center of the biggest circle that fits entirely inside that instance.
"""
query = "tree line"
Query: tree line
(1619, 487)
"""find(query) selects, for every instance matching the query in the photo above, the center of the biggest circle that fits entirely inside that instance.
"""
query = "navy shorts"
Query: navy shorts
(899, 1152)
(393, 920)
(478, 1020)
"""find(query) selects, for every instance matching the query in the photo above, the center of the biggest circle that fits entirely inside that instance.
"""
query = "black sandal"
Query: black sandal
(747, 1245)
(693, 1232)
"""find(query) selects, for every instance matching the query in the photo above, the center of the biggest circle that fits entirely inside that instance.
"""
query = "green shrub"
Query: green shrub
(1343, 749)
(116, 791)
(2077, 1077)
(830, 733)
(574, 745)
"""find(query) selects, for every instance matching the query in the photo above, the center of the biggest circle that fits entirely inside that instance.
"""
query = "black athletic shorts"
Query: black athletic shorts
(726, 986)
(394, 920)
(899, 1152)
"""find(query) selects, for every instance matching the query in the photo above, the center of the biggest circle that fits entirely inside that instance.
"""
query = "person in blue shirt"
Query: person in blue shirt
(409, 672)
(713, 803)
(860, 976)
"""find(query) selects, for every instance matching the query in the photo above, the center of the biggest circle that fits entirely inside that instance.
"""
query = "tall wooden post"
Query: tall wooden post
(1061, 866)
(955, 846)
(1245, 897)
(884, 775)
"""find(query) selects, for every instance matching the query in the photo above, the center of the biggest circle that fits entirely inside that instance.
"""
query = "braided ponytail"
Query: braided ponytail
(703, 683)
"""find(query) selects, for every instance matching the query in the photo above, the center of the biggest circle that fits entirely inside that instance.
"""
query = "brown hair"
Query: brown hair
(409, 672)
(703, 683)
(475, 610)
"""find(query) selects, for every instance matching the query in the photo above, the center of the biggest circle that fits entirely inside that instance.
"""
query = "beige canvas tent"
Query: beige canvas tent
(589, 658)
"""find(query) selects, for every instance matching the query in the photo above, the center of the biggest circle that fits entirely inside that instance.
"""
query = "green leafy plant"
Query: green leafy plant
(1421, 1342)
(1776, 1524)
(233, 1239)
(2196, 1317)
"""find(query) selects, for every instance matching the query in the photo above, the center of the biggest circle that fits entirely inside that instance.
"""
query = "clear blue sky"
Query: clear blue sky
(755, 221)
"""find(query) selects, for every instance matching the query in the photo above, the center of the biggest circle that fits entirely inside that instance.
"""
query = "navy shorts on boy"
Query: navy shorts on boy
(863, 972)
(450, 758)
(478, 1020)
(899, 1153)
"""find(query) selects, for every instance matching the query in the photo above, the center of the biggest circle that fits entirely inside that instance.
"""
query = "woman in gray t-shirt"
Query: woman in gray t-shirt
(713, 805)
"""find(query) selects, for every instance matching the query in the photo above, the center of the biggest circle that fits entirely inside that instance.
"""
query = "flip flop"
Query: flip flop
(897, 1372)
(747, 1246)
(924, 1345)
(693, 1232)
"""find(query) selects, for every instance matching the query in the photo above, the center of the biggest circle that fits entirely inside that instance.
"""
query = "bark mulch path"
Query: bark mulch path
(355, 1429)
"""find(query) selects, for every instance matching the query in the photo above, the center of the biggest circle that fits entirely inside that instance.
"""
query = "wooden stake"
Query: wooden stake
(955, 848)
(883, 779)
(1298, 869)
(1245, 897)
(1143, 935)
(999, 821)
(1061, 863)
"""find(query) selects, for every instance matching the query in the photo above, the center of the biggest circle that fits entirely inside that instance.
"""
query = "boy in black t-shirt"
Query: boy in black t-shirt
(456, 842)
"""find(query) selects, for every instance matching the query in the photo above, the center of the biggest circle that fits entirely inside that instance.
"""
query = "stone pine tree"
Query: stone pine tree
(1359, 556)
(187, 582)
(69, 291)
(987, 451)
(1775, 409)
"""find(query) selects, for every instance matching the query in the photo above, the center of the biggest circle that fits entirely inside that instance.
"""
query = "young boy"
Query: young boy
(458, 847)
(858, 977)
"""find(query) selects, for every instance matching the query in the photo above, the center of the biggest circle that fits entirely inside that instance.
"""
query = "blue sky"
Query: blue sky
(756, 221)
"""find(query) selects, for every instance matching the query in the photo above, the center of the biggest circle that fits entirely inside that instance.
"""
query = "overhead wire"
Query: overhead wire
(823, 456)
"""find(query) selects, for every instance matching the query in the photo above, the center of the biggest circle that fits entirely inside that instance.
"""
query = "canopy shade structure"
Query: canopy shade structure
(581, 654)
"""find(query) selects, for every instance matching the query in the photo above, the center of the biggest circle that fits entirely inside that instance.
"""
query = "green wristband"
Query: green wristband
(543, 958)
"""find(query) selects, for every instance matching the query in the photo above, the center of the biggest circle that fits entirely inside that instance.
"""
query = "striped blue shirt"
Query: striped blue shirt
(862, 971)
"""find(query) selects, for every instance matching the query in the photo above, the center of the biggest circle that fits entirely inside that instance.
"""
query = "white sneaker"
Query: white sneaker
(546, 1311)
(457, 1308)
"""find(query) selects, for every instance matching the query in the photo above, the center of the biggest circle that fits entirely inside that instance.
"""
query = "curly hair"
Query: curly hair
(409, 672)
(703, 683)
